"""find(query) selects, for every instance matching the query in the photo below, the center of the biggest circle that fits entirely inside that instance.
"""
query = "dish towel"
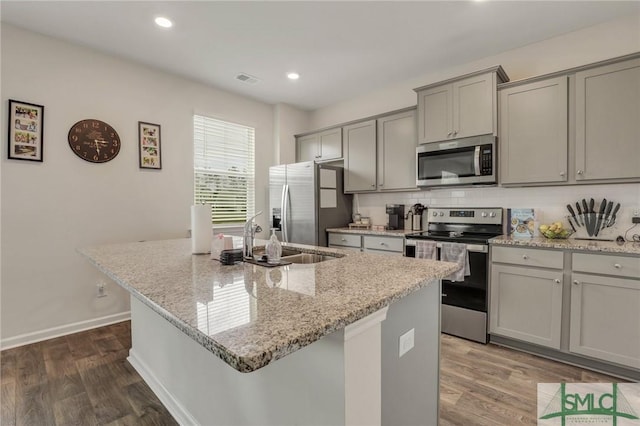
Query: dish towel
(426, 250)
(456, 253)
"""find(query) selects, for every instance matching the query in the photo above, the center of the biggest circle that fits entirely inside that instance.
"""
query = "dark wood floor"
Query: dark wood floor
(84, 379)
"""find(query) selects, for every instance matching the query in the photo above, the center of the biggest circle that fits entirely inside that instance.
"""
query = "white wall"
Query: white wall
(608, 40)
(49, 209)
(288, 122)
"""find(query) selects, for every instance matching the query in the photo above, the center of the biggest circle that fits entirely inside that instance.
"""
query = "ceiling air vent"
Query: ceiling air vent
(246, 78)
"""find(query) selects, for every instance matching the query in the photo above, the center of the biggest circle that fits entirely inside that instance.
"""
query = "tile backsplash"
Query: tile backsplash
(550, 202)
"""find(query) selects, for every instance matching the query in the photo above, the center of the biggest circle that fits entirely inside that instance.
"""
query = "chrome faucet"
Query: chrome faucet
(248, 236)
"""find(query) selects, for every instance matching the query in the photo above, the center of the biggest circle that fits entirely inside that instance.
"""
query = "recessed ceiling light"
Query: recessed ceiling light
(293, 75)
(163, 22)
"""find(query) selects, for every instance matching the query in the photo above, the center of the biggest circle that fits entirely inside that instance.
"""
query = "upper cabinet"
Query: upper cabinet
(533, 132)
(360, 156)
(575, 126)
(380, 154)
(320, 146)
(397, 144)
(608, 122)
(459, 108)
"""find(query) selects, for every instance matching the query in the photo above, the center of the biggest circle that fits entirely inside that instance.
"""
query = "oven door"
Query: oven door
(470, 293)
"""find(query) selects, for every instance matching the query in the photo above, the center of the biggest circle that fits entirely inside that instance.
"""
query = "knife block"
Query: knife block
(590, 225)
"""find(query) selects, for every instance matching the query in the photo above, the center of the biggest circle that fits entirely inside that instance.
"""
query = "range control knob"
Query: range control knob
(435, 213)
(483, 214)
(441, 213)
(492, 214)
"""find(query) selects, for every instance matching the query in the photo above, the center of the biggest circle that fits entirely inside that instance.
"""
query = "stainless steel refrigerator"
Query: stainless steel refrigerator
(305, 199)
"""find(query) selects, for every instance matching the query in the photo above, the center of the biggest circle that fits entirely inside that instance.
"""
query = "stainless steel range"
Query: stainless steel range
(464, 303)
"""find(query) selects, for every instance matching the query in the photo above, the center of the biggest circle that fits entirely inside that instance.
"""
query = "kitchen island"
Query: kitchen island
(297, 344)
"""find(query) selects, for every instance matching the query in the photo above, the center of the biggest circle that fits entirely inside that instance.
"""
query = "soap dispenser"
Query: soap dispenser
(273, 248)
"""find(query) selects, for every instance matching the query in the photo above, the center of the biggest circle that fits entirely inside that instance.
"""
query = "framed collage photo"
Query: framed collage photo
(149, 145)
(25, 131)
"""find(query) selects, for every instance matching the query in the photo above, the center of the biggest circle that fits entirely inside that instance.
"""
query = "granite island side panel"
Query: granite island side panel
(292, 306)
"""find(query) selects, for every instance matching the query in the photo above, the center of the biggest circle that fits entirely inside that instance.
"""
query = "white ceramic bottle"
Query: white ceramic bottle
(273, 248)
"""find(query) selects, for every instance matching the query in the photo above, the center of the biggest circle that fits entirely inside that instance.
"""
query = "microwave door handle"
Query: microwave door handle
(476, 160)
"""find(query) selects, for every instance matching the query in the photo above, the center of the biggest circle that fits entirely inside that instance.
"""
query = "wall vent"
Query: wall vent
(246, 78)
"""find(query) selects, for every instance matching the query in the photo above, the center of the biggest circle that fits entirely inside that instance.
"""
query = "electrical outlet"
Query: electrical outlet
(406, 342)
(635, 212)
(102, 292)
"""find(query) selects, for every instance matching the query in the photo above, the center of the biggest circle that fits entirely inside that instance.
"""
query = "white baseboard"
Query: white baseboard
(63, 330)
(179, 413)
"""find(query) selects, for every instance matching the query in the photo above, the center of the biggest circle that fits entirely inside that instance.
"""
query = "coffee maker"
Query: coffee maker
(396, 216)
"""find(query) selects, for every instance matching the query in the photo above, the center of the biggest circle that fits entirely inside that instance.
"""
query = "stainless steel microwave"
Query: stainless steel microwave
(468, 161)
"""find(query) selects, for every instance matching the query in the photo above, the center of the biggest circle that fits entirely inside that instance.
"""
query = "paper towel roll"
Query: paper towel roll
(201, 230)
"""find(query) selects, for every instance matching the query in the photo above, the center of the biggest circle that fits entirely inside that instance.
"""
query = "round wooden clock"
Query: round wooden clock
(94, 141)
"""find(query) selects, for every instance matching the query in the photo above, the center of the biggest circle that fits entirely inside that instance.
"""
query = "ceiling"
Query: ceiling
(340, 49)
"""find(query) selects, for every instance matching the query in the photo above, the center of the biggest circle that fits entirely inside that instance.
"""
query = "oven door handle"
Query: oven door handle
(474, 248)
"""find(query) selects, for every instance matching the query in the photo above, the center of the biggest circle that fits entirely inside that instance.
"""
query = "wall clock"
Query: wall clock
(94, 141)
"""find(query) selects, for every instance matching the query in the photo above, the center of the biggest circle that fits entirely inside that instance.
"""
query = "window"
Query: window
(223, 166)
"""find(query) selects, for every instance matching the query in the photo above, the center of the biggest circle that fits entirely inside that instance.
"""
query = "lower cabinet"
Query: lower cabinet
(605, 311)
(367, 243)
(595, 316)
(526, 304)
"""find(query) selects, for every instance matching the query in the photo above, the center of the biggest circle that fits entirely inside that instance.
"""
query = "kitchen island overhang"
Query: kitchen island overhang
(249, 316)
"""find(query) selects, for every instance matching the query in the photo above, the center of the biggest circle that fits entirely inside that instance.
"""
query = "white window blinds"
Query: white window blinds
(223, 166)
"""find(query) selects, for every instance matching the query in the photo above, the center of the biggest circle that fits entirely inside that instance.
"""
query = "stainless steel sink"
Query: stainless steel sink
(296, 256)
(307, 258)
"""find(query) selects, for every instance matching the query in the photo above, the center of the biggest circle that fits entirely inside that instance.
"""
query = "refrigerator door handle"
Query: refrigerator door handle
(285, 212)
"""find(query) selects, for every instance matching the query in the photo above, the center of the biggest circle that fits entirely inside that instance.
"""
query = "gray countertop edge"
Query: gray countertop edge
(629, 247)
(250, 364)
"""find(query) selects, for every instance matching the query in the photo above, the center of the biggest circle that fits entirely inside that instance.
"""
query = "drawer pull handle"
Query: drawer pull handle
(382, 244)
(617, 266)
(576, 282)
(525, 257)
(343, 239)
(557, 281)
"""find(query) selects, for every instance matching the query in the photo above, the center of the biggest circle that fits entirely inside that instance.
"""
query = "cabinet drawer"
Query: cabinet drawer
(384, 243)
(348, 240)
(608, 265)
(528, 257)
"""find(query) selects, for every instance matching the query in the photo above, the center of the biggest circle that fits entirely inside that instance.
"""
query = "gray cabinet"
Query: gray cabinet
(526, 302)
(381, 244)
(360, 156)
(605, 311)
(533, 132)
(608, 122)
(459, 108)
(321, 146)
(396, 146)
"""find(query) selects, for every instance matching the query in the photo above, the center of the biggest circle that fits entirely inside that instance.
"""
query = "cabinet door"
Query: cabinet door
(526, 304)
(435, 114)
(474, 106)
(608, 122)
(397, 143)
(360, 156)
(307, 148)
(533, 132)
(330, 144)
(605, 318)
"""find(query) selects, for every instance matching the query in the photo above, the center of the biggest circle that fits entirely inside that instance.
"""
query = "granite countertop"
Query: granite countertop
(384, 233)
(250, 315)
(570, 244)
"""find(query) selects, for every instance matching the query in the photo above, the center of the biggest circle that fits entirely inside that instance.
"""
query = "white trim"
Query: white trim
(63, 330)
(365, 323)
(179, 413)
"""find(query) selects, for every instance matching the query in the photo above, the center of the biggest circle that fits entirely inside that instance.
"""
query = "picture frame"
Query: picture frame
(26, 122)
(149, 149)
